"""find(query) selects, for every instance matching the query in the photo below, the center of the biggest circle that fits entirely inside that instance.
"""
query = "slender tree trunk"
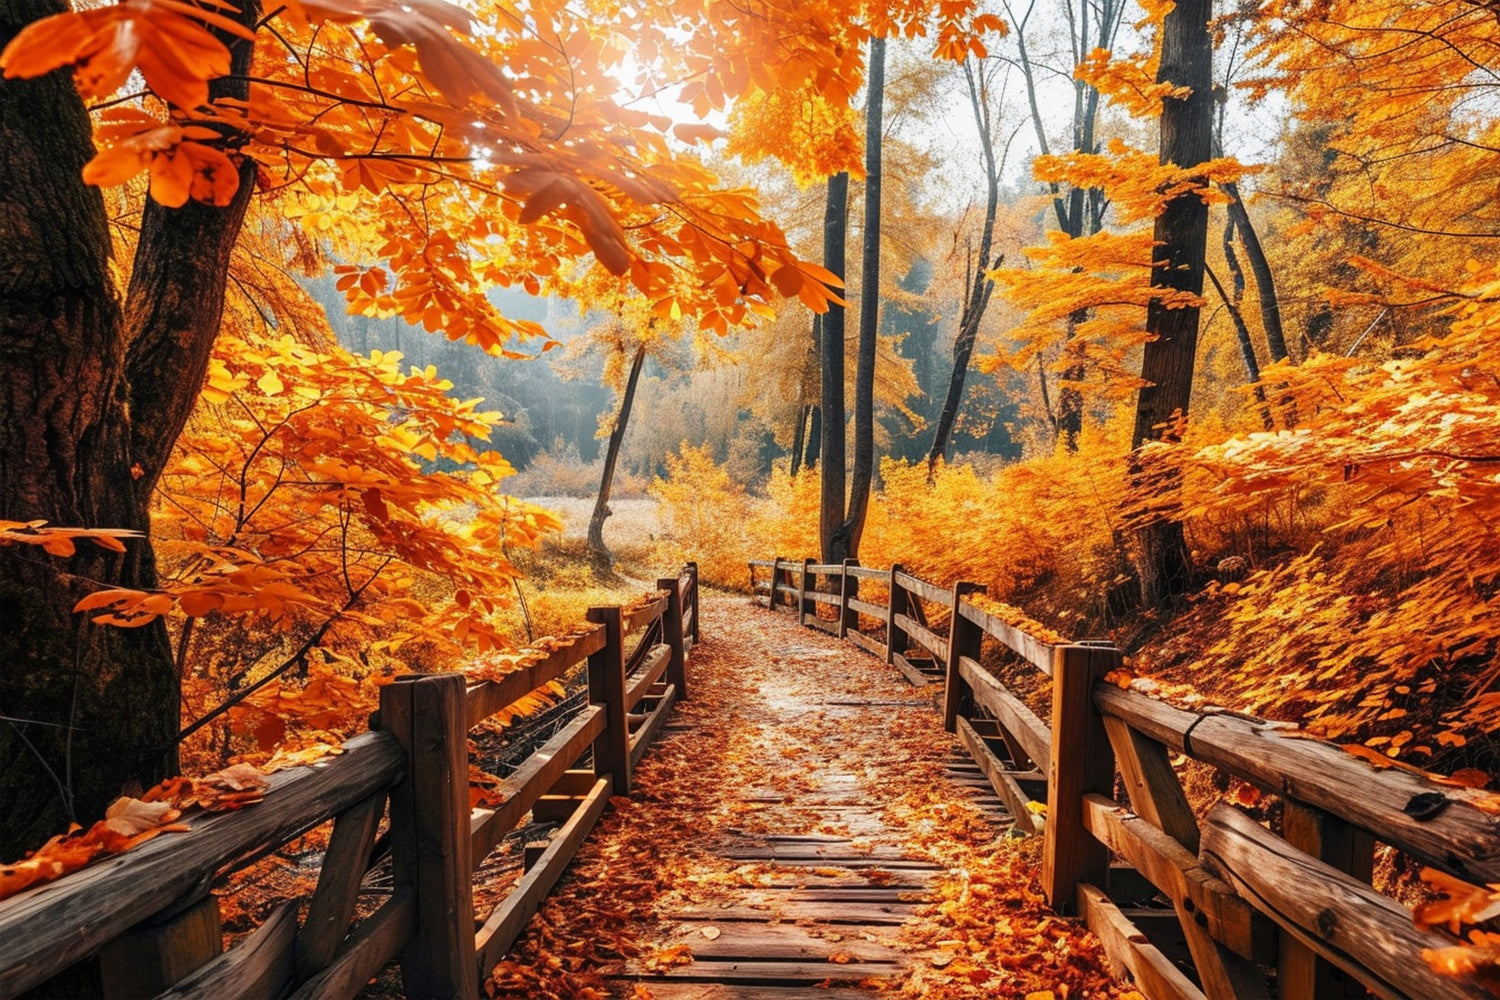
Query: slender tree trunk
(799, 437)
(814, 436)
(1181, 237)
(599, 554)
(869, 311)
(831, 347)
(1246, 345)
(87, 709)
(1260, 269)
(978, 286)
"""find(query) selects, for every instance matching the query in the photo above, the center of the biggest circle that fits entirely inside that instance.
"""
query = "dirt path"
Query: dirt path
(803, 823)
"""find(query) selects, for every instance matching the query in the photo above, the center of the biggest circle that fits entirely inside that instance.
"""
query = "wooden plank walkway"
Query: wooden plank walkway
(801, 812)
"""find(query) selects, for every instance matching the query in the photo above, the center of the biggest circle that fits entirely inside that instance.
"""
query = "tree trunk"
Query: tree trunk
(978, 287)
(599, 555)
(799, 437)
(814, 436)
(89, 410)
(869, 311)
(831, 347)
(1246, 345)
(1181, 237)
(1260, 269)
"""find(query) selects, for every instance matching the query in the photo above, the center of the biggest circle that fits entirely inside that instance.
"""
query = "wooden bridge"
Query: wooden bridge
(816, 874)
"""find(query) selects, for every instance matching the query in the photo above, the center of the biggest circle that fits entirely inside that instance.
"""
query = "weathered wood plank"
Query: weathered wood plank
(885, 914)
(507, 921)
(869, 573)
(867, 608)
(723, 991)
(999, 779)
(607, 692)
(929, 640)
(1460, 839)
(871, 646)
(964, 640)
(1301, 974)
(674, 632)
(782, 942)
(48, 928)
(646, 613)
(1013, 713)
(914, 677)
(534, 778)
(927, 591)
(646, 735)
(1180, 876)
(764, 973)
(432, 848)
(652, 669)
(374, 942)
(152, 956)
(1081, 764)
(1036, 652)
(1130, 953)
(488, 697)
(339, 876)
(1155, 793)
(258, 968)
(1364, 933)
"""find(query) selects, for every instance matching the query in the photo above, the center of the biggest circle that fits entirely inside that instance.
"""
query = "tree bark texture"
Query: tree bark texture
(1260, 269)
(598, 553)
(85, 709)
(1181, 237)
(831, 349)
(979, 287)
(863, 478)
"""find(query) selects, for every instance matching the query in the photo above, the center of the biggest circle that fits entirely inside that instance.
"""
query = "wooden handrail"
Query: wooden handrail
(419, 759)
(1244, 895)
(48, 928)
(1453, 835)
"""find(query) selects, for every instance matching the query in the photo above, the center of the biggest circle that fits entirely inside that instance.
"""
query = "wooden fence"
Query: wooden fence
(1220, 906)
(148, 919)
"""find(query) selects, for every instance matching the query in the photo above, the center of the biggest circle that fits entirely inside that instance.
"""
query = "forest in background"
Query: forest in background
(1216, 282)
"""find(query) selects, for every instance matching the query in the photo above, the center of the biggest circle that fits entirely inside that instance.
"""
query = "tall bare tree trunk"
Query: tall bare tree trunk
(599, 554)
(92, 397)
(1181, 238)
(869, 311)
(831, 349)
(814, 436)
(1260, 269)
(978, 285)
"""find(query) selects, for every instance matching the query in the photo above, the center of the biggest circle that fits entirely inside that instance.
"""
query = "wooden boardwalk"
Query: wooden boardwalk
(814, 762)
(801, 822)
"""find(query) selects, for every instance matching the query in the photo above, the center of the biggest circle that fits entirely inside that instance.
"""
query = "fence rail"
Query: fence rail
(144, 923)
(1234, 904)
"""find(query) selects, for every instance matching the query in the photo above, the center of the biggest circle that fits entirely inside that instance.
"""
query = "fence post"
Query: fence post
(692, 569)
(1082, 762)
(607, 688)
(804, 603)
(895, 637)
(431, 848)
(1301, 973)
(671, 627)
(964, 638)
(775, 581)
(847, 589)
(153, 955)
